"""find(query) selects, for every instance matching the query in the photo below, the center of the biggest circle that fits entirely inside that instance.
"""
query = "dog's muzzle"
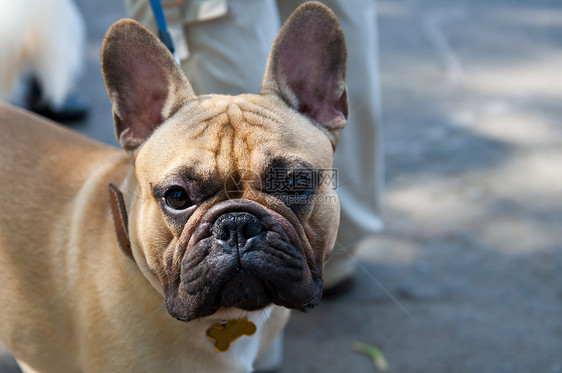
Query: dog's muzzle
(234, 232)
(243, 255)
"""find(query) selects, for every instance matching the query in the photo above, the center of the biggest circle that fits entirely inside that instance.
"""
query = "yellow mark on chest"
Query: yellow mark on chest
(224, 333)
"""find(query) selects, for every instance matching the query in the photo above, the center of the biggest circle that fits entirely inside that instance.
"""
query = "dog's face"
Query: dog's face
(233, 204)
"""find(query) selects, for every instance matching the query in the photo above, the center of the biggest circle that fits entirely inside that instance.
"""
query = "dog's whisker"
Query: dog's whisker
(382, 85)
(266, 316)
(134, 195)
(369, 274)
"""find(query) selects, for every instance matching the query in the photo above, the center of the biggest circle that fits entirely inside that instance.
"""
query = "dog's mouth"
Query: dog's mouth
(246, 257)
(245, 291)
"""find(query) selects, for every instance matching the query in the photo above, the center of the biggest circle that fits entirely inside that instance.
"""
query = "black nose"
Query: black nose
(236, 227)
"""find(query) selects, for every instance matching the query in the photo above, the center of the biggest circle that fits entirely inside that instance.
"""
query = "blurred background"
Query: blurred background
(467, 276)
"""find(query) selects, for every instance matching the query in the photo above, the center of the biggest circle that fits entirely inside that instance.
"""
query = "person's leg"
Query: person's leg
(359, 156)
(226, 52)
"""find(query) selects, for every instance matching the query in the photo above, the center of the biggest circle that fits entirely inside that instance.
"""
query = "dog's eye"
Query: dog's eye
(177, 199)
(298, 185)
(293, 187)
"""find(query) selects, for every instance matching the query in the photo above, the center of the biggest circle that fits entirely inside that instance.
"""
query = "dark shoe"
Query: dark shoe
(74, 108)
(339, 289)
(339, 274)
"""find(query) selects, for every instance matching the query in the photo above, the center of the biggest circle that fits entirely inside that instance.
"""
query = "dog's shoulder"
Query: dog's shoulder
(19, 128)
(51, 161)
(27, 139)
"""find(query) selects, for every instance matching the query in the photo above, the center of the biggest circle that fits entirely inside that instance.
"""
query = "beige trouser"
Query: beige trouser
(223, 47)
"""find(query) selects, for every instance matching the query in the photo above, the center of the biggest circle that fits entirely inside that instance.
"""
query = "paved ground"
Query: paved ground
(472, 250)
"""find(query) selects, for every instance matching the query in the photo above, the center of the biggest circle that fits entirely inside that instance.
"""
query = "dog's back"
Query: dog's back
(40, 159)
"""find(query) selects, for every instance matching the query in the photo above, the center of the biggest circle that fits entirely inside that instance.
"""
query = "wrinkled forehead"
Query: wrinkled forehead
(220, 135)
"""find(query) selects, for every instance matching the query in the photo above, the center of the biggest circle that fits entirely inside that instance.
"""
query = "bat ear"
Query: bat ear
(144, 83)
(306, 67)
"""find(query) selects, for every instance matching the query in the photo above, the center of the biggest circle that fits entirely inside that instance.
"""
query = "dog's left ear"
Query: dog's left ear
(144, 83)
(306, 67)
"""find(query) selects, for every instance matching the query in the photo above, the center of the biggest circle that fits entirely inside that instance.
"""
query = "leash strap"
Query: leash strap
(163, 33)
(120, 220)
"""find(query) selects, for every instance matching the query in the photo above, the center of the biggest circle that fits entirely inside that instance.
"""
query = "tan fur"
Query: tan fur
(71, 300)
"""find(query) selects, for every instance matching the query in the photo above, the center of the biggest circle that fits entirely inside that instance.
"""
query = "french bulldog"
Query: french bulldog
(215, 217)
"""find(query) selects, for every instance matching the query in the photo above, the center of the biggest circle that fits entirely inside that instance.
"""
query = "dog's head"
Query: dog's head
(232, 204)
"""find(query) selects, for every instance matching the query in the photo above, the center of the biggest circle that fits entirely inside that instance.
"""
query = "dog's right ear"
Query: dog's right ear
(144, 83)
(306, 67)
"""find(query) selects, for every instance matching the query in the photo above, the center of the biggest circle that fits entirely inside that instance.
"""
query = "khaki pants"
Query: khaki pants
(223, 47)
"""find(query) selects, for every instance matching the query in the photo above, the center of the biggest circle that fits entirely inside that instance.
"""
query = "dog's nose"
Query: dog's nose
(236, 227)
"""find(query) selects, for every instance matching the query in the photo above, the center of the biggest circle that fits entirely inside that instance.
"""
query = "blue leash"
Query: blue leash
(162, 28)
